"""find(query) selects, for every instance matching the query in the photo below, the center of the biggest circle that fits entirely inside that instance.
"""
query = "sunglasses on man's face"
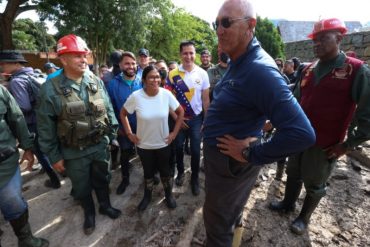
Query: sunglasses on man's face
(226, 22)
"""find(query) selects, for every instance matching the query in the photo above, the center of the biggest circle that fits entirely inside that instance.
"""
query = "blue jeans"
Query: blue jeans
(193, 131)
(41, 157)
(12, 204)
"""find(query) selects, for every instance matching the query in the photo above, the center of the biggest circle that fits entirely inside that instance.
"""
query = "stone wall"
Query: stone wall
(357, 42)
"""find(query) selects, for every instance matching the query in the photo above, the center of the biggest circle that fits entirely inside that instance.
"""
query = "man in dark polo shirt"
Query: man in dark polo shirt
(251, 91)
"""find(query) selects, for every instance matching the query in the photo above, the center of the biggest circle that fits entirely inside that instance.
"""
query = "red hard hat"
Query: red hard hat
(332, 24)
(71, 44)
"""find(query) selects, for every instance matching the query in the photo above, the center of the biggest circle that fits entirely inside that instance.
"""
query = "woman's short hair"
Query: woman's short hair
(147, 70)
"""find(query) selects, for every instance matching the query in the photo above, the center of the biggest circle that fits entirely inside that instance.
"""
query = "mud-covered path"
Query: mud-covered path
(342, 218)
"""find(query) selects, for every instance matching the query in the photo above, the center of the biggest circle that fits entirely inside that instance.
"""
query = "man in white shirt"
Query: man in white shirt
(190, 85)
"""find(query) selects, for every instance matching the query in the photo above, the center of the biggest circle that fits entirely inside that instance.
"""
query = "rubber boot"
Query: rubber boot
(125, 167)
(300, 224)
(156, 179)
(292, 191)
(149, 183)
(280, 170)
(194, 182)
(123, 185)
(167, 183)
(105, 207)
(115, 153)
(22, 230)
(88, 206)
(54, 181)
(180, 179)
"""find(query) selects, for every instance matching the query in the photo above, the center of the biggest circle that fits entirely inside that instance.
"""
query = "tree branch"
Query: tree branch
(25, 8)
(11, 9)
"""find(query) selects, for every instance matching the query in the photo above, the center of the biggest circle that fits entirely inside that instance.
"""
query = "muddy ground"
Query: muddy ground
(342, 218)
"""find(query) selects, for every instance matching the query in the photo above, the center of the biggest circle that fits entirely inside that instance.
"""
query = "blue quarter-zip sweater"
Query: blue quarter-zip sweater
(251, 91)
(119, 89)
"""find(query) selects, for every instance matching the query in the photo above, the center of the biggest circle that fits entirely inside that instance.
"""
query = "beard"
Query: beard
(129, 73)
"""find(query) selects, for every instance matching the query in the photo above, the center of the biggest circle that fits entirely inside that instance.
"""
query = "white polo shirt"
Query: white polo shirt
(198, 80)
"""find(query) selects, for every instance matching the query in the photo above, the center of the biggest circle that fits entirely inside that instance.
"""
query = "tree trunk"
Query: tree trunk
(6, 33)
(12, 10)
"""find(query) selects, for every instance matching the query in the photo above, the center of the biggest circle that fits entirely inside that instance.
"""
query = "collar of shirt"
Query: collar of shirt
(254, 43)
(75, 85)
(181, 68)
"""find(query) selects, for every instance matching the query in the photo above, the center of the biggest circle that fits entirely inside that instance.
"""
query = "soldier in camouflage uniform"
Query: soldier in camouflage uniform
(76, 125)
(12, 205)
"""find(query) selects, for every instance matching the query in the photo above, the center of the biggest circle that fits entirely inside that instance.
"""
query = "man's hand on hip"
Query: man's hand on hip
(233, 147)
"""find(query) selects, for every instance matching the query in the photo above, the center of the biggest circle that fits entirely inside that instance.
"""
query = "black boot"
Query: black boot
(54, 181)
(105, 205)
(22, 230)
(125, 171)
(292, 191)
(195, 185)
(180, 179)
(88, 206)
(123, 185)
(115, 153)
(300, 224)
(156, 179)
(149, 183)
(280, 170)
(167, 183)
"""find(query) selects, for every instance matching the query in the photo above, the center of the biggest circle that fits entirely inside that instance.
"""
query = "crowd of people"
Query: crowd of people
(79, 124)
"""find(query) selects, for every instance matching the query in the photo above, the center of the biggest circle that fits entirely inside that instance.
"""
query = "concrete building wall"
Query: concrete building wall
(357, 42)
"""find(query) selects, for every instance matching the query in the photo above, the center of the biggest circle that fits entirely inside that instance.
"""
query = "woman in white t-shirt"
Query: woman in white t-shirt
(152, 105)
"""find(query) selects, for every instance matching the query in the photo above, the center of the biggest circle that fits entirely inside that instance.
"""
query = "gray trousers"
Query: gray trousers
(228, 185)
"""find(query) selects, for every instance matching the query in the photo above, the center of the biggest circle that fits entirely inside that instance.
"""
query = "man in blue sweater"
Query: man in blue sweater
(119, 89)
(251, 91)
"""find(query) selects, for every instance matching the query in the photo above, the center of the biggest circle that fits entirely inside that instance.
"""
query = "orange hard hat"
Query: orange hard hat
(72, 44)
(332, 24)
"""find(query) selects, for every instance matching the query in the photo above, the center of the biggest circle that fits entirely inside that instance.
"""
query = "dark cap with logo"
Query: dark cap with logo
(143, 52)
(49, 65)
(205, 52)
(11, 56)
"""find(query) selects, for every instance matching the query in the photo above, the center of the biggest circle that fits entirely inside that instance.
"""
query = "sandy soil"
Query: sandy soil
(342, 218)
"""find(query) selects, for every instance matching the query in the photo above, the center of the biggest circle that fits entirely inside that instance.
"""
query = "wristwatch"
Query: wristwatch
(245, 153)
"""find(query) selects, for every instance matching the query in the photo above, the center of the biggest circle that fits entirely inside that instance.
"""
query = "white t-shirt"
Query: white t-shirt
(198, 80)
(152, 116)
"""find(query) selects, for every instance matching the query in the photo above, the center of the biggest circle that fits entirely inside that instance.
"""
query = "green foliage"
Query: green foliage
(29, 35)
(129, 25)
(267, 34)
(174, 26)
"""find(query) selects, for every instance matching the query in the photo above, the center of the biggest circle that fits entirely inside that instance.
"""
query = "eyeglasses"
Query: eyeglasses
(279, 65)
(153, 78)
(226, 22)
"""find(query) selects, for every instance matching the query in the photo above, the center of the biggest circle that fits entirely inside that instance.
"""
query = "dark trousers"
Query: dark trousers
(154, 160)
(228, 184)
(313, 168)
(171, 126)
(41, 157)
(193, 131)
(91, 172)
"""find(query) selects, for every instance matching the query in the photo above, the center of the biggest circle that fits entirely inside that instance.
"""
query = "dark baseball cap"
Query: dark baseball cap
(205, 52)
(48, 66)
(143, 52)
(11, 56)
